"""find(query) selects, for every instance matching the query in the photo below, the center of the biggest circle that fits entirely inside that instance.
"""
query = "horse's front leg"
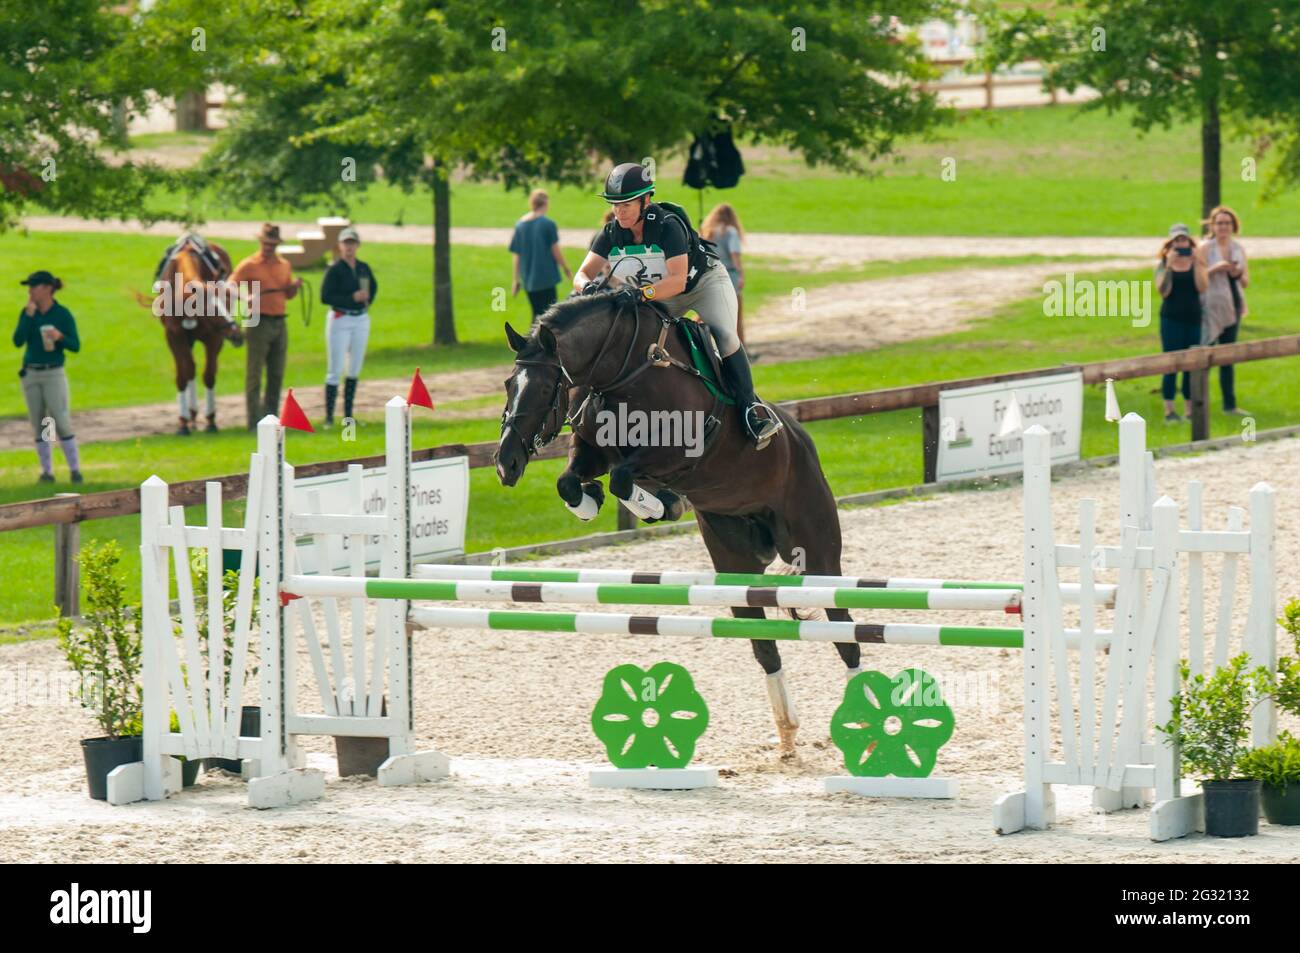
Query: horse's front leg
(577, 485)
(650, 507)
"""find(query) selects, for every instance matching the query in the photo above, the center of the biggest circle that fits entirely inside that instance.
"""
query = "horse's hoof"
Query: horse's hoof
(183, 430)
(212, 427)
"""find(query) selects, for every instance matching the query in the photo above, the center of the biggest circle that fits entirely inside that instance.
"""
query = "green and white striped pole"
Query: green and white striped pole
(615, 623)
(1105, 594)
(723, 596)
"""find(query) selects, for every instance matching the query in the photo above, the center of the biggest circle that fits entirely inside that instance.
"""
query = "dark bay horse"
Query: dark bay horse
(195, 311)
(751, 505)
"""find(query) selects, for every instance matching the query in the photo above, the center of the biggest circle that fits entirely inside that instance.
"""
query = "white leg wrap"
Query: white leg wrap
(585, 510)
(182, 405)
(211, 402)
(787, 720)
(644, 504)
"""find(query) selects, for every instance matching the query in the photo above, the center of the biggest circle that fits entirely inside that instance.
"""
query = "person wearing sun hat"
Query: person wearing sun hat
(270, 282)
(47, 331)
(349, 289)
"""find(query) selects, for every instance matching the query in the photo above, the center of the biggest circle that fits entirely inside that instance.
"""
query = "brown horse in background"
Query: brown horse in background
(196, 311)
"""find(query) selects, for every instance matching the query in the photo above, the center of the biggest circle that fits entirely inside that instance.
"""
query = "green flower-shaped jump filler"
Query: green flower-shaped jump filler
(892, 726)
(649, 718)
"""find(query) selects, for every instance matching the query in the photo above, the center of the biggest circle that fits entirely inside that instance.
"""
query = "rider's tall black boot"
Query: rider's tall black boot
(331, 398)
(758, 419)
(349, 394)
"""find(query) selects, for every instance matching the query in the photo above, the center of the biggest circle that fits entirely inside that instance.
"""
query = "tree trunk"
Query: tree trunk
(192, 111)
(444, 323)
(1211, 155)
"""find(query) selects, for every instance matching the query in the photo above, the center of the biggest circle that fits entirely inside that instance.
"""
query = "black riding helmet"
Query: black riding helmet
(626, 182)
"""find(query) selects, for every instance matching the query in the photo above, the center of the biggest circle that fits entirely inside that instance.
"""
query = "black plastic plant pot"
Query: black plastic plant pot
(189, 772)
(102, 755)
(361, 755)
(1281, 804)
(250, 726)
(1231, 807)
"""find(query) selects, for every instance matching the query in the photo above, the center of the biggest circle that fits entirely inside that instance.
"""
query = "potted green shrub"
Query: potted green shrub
(105, 654)
(1277, 768)
(1211, 727)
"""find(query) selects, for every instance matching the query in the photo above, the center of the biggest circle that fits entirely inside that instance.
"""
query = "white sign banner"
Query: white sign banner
(971, 443)
(439, 507)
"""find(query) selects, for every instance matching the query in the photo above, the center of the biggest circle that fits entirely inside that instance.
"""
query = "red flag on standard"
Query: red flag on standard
(418, 395)
(291, 415)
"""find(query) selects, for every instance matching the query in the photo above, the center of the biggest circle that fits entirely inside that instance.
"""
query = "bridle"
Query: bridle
(554, 417)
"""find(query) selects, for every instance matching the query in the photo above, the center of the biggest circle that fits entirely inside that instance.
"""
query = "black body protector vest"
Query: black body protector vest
(627, 261)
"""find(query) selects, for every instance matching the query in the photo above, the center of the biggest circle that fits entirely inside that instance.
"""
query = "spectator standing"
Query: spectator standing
(722, 227)
(349, 288)
(538, 260)
(1224, 303)
(272, 284)
(1181, 280)
(46, 330)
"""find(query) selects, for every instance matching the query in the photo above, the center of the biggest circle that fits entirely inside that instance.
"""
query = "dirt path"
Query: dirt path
(867, 315)
(513, 711)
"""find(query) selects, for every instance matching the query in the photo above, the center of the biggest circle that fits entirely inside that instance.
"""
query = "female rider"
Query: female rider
(653, 253)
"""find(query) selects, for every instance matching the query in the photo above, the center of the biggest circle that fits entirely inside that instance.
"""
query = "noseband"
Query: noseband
(555, 417)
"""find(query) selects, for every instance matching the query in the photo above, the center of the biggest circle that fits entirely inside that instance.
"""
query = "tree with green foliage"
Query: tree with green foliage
(68, 82)
(540, 90)
(1166, 60)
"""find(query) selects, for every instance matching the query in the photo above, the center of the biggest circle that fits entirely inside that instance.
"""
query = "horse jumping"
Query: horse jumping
(752, 505)
(191, 275)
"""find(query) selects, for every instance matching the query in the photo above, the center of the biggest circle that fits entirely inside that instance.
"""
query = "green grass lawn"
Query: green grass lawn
(1036, 171)
(859, 454)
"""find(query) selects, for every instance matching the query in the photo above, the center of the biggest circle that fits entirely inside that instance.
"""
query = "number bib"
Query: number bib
(625, 265)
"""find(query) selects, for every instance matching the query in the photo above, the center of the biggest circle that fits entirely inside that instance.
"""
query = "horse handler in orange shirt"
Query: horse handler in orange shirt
(269, 280)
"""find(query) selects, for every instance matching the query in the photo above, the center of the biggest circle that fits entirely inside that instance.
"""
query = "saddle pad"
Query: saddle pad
(704, 356)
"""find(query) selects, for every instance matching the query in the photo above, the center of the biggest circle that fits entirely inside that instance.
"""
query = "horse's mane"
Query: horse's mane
(563, 316)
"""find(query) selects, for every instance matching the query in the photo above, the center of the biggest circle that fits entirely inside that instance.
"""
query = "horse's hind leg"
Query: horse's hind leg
(733, 548)
(813, 542)
(211, 348)
(183, 357)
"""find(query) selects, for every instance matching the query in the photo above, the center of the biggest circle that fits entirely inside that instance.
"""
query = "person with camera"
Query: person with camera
(1181, 280)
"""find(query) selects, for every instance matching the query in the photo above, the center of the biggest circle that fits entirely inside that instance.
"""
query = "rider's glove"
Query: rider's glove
(628, 297)
(590, 288)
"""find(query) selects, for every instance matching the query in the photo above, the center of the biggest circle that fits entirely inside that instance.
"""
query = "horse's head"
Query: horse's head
(537, 401)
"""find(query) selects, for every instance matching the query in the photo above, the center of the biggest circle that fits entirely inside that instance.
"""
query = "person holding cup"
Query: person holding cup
(47, 331)
(348, 289)
(1224, 302)
(1181, 280)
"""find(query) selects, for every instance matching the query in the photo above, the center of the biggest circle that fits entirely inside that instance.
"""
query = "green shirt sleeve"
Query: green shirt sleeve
(68, 325)
(21, 332)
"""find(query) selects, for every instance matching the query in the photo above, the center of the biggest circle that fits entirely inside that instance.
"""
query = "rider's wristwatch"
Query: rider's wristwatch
(648, 292)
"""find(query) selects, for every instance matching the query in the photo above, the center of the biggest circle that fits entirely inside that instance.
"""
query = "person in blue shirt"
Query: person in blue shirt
(537, 256)
(46, 331)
